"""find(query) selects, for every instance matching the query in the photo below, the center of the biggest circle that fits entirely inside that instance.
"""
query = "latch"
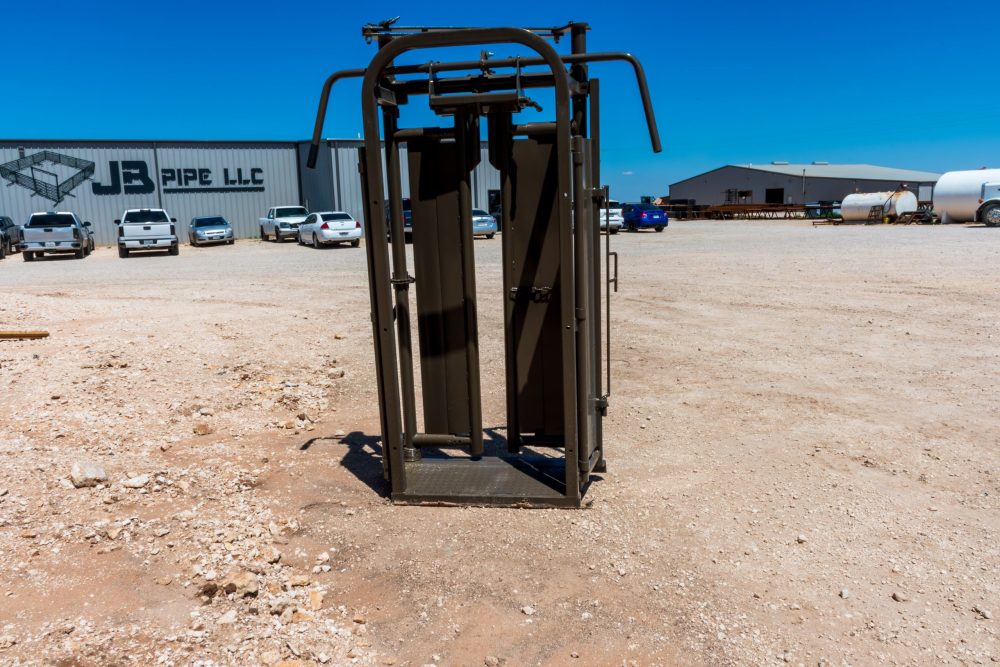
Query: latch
(601, 403)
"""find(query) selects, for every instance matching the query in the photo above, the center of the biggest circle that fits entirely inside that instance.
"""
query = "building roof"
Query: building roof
(860, 172)
(850, 172)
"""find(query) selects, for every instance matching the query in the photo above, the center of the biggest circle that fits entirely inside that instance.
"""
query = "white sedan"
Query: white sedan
(329, 228)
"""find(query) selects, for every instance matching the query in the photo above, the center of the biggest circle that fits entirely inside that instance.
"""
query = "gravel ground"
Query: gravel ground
(803, 448)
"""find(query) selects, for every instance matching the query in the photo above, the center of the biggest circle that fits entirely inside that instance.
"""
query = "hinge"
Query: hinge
(403, 282)
(601, 403)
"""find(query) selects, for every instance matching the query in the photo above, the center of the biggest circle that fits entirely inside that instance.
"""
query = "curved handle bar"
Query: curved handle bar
(324, 98)
(640, 77)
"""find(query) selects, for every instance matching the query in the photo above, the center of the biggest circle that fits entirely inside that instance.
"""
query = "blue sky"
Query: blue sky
(905, 85)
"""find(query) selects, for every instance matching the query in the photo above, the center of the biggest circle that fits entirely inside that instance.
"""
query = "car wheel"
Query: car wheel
(263, 236)
(659, 228)
(28, 256)
(3, 250)
(991, 215)
(78, 254)
(613, 230)
(356, 243)
(231, 241)
(315, 242)
(277, 236)
(489, 236)
(175, 249)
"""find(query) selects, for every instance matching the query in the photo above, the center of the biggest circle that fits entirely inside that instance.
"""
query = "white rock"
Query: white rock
(136, 482)
(86, 474)
(228, 618)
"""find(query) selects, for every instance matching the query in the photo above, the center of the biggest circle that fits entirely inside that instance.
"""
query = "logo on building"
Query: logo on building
(54, 176)
(62, 173)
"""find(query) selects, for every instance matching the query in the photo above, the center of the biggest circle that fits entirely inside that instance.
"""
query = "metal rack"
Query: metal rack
(556, 392)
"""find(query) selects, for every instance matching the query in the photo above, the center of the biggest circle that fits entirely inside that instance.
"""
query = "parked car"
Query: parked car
(210, 229)
(282, 222)
(611, 217)
(56, 232)
(483, 224)
(147, 229)
(10, 236)
(641, 216)
(330, 228)
(497, 212)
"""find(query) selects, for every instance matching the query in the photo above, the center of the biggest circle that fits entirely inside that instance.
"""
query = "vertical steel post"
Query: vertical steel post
(500, 141)
(466, 132)
(381, 314)
(579, 71)
(400, 281)
(583, 260)
(595, 181)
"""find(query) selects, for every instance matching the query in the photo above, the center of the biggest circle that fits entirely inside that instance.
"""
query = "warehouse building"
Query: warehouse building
(239, 180)
(785, 183)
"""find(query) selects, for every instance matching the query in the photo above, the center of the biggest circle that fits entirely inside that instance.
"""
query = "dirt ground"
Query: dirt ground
(803, 442)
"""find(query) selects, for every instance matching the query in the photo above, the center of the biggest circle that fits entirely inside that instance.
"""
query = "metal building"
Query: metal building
(335, 183)
(784, 183)
(100, 179)
(240, 180)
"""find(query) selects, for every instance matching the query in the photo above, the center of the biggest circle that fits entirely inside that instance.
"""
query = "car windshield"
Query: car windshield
(291, 211)
(480, 212)
(614, 204)
(210, 222)
(327, 217)
(146, 216)
(51, 220)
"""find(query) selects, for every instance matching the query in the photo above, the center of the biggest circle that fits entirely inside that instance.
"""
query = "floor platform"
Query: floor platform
(515, 481)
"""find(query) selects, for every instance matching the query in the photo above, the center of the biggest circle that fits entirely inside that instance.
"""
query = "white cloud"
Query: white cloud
(627, 173)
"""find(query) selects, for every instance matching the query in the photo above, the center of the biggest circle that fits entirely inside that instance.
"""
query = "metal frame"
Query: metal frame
(55, 192)
(524, 475)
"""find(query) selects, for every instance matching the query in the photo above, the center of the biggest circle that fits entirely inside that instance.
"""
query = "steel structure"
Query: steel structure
(556, 392)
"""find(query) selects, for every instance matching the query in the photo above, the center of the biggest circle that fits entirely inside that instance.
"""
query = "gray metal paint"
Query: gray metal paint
(710, 188)
(336, 182)
(277, 160)
(241, 209)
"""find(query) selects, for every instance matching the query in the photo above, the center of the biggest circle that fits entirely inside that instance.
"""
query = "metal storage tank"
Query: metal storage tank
(957, 195)
(856, 207)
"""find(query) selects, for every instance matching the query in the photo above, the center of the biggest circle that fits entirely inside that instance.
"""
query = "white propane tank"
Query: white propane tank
(856, 206)
(957, 193)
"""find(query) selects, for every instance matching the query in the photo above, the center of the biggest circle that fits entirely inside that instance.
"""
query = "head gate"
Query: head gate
(556, 394)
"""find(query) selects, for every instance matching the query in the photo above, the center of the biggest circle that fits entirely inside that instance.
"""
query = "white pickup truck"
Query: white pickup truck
(55, 232)
(282, 222)
(146, 229)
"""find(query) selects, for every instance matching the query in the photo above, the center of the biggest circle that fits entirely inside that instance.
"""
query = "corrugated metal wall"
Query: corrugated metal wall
(238, 180)
(338, 183)
(252, 178)
(710, 188)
